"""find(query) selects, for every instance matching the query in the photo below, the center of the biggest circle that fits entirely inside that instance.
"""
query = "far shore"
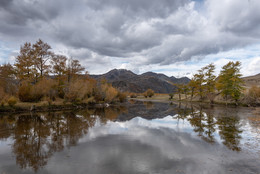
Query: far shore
(166, 98)
(59, 105)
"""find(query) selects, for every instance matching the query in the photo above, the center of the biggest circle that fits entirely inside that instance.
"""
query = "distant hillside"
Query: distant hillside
(126, 80)
(252, 80)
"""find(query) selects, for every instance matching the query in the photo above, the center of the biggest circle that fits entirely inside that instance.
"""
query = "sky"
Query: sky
(174, 37)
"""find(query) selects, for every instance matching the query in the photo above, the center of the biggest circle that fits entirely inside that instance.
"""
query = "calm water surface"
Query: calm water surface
(141, 137)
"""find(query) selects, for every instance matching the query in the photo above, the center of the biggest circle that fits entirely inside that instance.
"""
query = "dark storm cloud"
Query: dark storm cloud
(150, 32)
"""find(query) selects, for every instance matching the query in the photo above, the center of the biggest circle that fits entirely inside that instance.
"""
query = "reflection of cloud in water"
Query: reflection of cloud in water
(142, 146)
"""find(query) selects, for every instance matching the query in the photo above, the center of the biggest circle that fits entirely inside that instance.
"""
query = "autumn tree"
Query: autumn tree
(42, 53)
(74, 68)
(179, 89)
(229, 81)
(192, 87)
(59, 67)
(199, 79)
(24, 64)
(7, 79)
(210, 81)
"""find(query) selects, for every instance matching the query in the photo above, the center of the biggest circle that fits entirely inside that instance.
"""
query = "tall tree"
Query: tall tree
(210, 80)
(192, 85)
(199, 79)
(230, 82)
(74, 68)
(42, 54)
(7, 79)
(59, 67)
(180, 89)
(24, 63)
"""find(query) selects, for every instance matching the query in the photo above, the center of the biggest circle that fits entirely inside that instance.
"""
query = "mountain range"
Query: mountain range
(126, 80)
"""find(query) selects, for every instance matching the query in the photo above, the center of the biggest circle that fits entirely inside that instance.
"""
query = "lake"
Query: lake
(139, 137)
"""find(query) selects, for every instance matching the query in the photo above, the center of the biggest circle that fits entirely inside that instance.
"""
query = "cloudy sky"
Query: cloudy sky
(175, 37)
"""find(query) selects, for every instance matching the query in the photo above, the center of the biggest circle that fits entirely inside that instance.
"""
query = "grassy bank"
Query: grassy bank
(166, 98)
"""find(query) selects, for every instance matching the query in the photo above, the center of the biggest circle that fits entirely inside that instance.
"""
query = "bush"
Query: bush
(12, 101)
(171, 95)
(29, 93)
(148, 93)
(133, 95)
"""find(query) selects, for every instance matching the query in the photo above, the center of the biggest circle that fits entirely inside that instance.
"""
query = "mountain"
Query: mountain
(252, 80)
(126, 80)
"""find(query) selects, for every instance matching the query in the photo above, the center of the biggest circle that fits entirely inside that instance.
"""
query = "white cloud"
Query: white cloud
(136, 34)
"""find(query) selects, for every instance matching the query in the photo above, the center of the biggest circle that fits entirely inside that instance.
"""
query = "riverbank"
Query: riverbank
(59, 105)
(45, 106)
(165, 98)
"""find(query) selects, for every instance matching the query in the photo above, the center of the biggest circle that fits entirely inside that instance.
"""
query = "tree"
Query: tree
(24, 64)
(229, 81)
(185, 90)
(192, 85)
(74, 68)
(210, 80)
(200, 82)
(59, 67)
(180, 88)
(41, 55)
(7, 79)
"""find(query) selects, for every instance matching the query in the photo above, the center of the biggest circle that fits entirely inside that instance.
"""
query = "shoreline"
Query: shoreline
(52, 108)
(37, 107)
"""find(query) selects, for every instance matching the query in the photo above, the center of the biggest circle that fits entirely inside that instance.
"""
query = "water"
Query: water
(141, 137)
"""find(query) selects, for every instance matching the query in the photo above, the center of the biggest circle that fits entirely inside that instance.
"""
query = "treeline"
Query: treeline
(205, 85)
(39, 74)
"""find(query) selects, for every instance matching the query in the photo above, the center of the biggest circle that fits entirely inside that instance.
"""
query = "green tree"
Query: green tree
(229, 81)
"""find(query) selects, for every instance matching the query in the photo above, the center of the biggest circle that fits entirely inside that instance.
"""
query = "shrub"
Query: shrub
(110, 94)
(171, 95)
(29, 93)
(133, 95)
(149, 93)
(12, 101)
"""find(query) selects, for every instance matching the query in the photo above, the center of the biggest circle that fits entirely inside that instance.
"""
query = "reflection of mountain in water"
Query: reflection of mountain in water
(38, 136)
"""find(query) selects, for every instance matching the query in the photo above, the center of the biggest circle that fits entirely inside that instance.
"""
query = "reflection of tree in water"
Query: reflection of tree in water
(30, 135)
(6, 126)
(197, 121)
(209, 128)
(148, 104)
(182, 112)
(38, 136)
(205, 123)
(229, 130)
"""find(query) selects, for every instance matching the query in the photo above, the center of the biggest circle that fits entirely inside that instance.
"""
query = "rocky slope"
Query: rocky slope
(126, 80)
(252, 80)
